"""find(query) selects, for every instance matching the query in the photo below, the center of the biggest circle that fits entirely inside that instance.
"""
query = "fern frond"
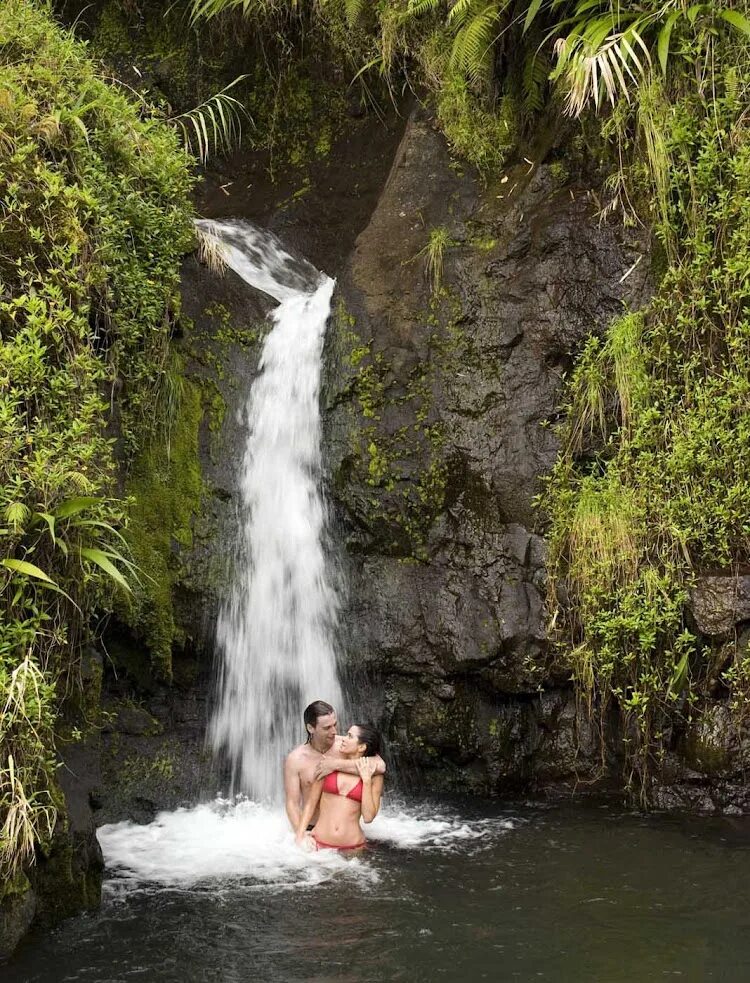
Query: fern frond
(353, 10)
(536, 69)
(462, 9)
(418, 7)
(472, 47)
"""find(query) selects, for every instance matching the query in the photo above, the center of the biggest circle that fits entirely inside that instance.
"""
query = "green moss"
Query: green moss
(159, 43)
(707, 757)
(14, 887)
(485, 137)
(652, 483)
(404, 468)
(559, 172)
(166, 487)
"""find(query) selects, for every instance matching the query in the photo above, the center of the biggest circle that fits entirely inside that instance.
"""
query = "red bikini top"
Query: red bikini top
(331, 785)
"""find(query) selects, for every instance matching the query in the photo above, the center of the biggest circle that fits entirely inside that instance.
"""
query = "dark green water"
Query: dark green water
(556, 894)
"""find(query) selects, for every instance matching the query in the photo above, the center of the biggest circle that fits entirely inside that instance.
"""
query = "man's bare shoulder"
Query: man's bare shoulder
(299, 755)
(335, 748)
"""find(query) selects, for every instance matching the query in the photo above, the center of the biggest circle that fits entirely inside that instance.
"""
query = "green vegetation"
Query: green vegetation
(278, 98)
(434, 253)
(165, 486)
(403, 467)
(652, 484)
(94, 217)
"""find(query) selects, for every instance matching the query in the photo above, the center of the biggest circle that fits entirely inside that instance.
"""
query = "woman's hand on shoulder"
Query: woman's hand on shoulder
(366, 768)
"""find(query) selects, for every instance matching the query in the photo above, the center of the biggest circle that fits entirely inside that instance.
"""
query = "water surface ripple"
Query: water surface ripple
(472, 892)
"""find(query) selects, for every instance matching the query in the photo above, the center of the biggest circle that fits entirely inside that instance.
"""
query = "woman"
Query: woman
(344, 800)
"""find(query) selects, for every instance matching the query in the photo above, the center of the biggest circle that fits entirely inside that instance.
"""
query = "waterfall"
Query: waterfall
(275, 627)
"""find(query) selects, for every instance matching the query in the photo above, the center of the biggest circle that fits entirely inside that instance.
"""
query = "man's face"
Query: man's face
(323, 734)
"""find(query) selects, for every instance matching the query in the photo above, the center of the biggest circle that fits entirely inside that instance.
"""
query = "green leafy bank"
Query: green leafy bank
(95, 215)
(653, 483)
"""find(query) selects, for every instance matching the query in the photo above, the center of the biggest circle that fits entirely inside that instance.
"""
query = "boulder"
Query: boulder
(719, 603)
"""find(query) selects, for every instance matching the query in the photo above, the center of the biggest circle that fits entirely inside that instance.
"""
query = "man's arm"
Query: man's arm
(348, 765)
(292, 791)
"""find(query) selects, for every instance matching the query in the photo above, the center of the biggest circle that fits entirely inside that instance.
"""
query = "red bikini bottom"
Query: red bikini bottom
(322, 845)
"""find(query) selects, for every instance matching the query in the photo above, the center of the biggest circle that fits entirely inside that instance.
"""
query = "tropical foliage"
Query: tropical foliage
(652, 485)
(94, 217)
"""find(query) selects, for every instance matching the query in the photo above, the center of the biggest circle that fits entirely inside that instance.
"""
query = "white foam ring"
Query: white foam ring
(243, 841)
(219, 842)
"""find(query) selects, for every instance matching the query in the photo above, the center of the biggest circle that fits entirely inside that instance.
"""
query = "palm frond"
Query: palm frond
(215, 125)
(597, 65)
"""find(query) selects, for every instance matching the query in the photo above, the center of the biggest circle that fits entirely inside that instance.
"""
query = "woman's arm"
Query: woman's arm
(372, 788)
(309, 811)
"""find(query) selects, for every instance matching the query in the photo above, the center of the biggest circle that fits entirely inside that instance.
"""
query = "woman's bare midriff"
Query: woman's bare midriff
(340, 826)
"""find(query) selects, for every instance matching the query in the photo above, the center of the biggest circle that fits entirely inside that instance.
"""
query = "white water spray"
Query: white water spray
(275, 628)
(275, 631)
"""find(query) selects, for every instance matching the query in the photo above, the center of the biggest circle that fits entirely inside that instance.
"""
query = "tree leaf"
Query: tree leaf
(736, 19)
(100, 558)
(665, 35)
(72, 506)
(49, 519)
(531, 13)
(31, 570)
(27, 569)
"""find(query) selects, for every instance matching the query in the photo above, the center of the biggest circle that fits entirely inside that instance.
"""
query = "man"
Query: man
(315, 759)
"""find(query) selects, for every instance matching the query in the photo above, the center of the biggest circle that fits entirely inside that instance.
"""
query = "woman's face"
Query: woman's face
(350, 741)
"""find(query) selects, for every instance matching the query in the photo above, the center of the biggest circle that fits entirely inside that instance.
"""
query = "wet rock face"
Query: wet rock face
(442, 419)
(17, 910)
(718, 603)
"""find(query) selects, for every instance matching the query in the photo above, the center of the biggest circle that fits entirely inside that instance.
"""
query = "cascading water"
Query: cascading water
(275, 630)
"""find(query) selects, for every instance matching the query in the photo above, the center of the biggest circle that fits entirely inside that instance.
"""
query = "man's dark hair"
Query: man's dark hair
(318, 708)
(370, 738)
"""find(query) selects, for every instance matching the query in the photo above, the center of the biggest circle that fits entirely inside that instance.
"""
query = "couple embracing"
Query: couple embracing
(333, 781)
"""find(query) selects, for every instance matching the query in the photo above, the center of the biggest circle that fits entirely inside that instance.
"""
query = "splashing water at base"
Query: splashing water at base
(275, 631)
(217, 842)
(250, 842)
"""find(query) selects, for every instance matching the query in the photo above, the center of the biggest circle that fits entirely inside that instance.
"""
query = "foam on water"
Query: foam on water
(244, 841)
(218, 842)
(423, 829)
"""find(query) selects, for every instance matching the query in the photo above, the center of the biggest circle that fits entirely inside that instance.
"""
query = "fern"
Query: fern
(353, 10)
(418, 7)
(536, 68)
(476, 22)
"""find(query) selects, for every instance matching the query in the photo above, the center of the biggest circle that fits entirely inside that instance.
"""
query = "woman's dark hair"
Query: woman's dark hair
(319, 708)
(370, 738)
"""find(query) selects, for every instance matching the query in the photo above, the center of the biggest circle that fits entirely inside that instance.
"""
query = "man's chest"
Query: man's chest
(307, 769)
